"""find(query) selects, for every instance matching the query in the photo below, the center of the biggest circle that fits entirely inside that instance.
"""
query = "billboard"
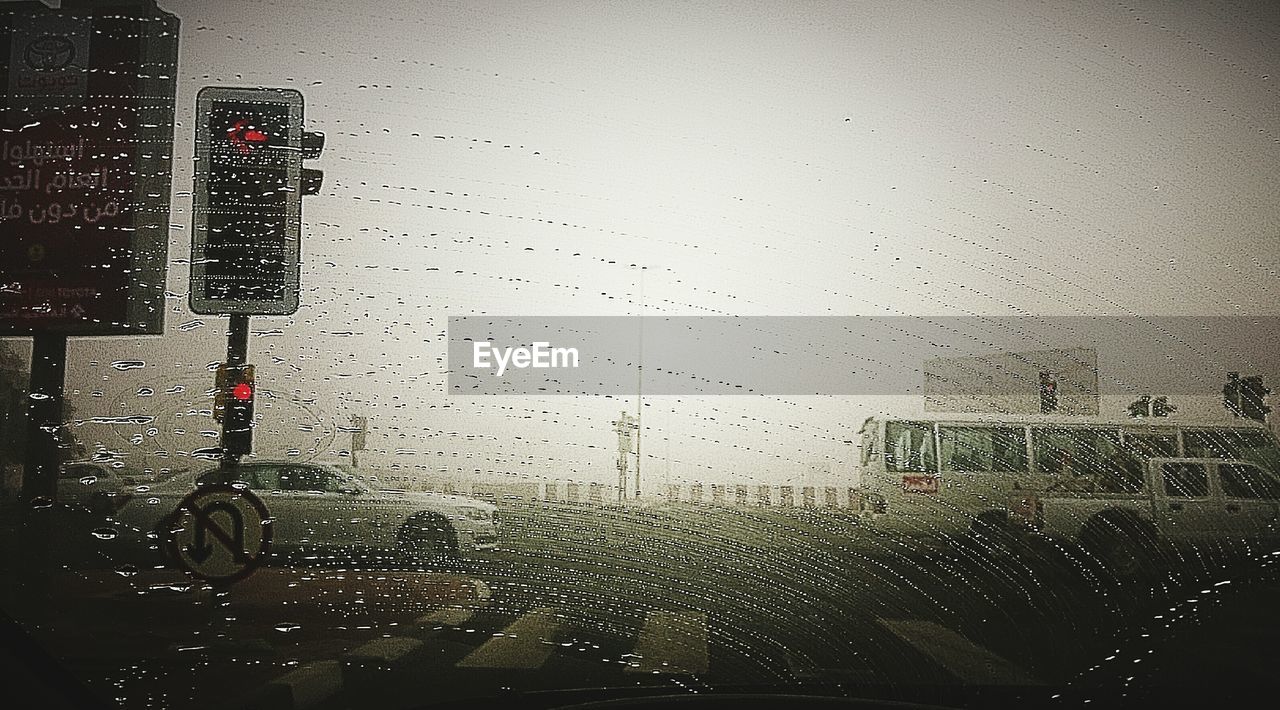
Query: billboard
(85, 168)
(1058, 381)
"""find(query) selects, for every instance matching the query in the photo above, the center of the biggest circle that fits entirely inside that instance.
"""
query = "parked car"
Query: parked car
(97, 485)
(320, 510)
(1175, 504)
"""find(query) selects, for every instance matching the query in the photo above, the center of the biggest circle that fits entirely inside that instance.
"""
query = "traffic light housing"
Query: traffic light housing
(1246, 396)
(1231, 393)
(1048, 393)
(1252, 398)
(247, 200)
(1160, 407)
(237, 390)
(1140, 407)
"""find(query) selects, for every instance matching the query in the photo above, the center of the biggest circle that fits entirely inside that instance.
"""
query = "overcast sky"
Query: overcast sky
(887, 158)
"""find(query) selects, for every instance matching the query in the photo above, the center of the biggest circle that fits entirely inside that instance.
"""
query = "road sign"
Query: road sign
(86, 133)
(247, 200)
(220, 533)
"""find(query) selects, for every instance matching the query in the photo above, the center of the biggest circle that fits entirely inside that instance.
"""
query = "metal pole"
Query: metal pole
(639, 382)
(44, 416)
(41, 462)
(237, 355)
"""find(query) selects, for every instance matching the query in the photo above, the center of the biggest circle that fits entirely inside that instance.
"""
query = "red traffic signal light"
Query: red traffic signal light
(244, 136)
(242, 391)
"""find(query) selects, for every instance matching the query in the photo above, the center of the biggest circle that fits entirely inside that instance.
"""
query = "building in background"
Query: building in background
(1058, 381)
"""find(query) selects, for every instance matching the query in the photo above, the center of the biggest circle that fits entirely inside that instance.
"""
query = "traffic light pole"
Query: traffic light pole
(237, 356)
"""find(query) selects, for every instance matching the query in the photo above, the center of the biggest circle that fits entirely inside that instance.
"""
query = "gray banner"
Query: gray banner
(857, 355)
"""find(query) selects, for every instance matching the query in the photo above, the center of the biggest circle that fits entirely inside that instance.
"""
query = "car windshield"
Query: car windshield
(433, 352)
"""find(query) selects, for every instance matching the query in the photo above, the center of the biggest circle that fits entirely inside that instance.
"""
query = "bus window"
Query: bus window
(908, 447)
(1054, 451)
(983, 449)
(1151, 445)
(1253, 445)
(1118, 467)
(1076, 452)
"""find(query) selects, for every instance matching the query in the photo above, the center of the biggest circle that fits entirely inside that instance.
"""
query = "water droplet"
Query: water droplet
(126, 570)
(105, 533)
(287, 626)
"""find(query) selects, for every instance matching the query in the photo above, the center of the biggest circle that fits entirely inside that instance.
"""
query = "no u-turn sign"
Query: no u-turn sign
(220, 533)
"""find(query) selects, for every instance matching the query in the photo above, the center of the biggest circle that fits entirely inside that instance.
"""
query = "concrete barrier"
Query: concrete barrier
(697, 493)
(764, 496)
(595, 494)
(808, 496)
(515, 490)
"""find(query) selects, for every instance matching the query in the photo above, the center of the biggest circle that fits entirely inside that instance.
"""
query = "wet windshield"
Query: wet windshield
(422, 353)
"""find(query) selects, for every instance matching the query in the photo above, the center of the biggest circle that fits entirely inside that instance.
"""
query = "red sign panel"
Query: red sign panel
(921, 483)
(84, 171)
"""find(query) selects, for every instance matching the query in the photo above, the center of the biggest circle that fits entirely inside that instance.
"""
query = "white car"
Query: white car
(97, 485)
(319, 510)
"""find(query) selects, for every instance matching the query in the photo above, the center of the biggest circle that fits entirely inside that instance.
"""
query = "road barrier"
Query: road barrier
(714, 494)
(767, 496)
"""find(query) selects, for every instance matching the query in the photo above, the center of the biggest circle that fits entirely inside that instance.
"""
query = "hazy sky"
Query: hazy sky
(514, 158)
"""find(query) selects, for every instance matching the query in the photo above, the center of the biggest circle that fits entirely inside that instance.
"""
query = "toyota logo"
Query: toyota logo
(49, 52)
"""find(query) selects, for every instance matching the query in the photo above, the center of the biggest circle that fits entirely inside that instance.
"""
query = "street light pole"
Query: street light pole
(640, 383)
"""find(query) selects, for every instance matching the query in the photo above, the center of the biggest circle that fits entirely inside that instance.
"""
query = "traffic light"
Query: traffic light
(1252, 396)
(247, 200)
(1160, 407)
(1140, 407)
(1231, 393)
(237, 391)
(1246, 396)
(1048, 393)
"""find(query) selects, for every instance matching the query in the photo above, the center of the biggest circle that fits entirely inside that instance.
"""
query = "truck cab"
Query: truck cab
(1179, 503)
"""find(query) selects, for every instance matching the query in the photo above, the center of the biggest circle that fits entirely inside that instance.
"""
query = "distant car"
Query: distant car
(97, 485)
(319, 509)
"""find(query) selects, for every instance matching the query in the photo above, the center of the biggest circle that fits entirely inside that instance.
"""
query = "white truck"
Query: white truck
(1202, 505)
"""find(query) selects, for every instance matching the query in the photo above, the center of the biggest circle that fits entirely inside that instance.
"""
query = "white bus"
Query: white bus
(950, 474)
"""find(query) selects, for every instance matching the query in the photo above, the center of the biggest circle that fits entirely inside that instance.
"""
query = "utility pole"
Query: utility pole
(624, 425)
(639, 382)
(358, 428)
